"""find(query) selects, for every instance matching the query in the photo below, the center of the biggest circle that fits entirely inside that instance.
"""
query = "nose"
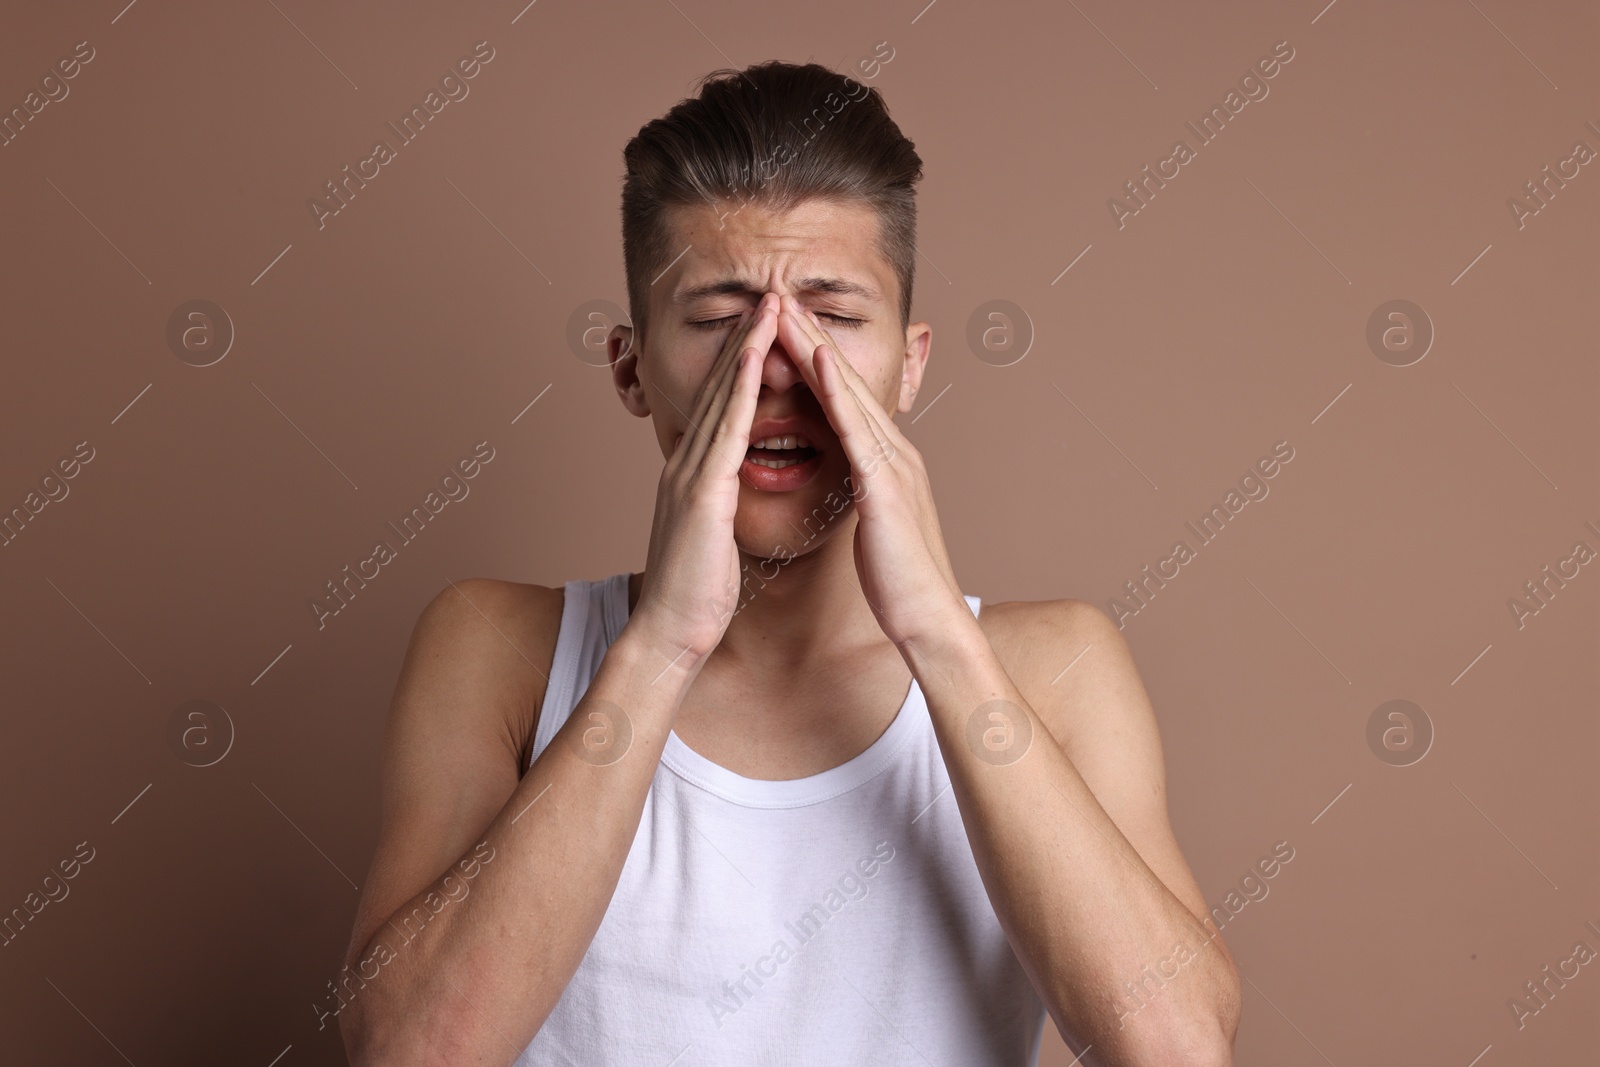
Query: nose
(779, 373)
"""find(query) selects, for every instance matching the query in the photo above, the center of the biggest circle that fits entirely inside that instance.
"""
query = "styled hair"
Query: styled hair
(774, 134)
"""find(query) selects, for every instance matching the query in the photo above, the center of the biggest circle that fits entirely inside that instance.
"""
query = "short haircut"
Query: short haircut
(774, 134)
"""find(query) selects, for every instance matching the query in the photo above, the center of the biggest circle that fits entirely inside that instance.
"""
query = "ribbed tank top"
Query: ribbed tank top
(836, 920)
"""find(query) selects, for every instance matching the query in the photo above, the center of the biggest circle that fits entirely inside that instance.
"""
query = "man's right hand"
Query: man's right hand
(691, 582)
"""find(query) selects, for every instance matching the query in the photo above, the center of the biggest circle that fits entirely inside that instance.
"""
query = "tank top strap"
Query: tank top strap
(592, 615)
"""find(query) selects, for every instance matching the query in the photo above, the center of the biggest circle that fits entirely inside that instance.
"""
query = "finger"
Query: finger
(755, 333)
(716, 380)
(845, 411)
(813, 328)
(754, 338)
(858, 385)
(890, 441)
(732, 440)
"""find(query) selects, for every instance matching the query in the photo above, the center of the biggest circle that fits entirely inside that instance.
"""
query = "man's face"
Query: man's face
(732, 260)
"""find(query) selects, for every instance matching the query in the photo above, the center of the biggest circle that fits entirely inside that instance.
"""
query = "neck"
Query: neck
(805, 610)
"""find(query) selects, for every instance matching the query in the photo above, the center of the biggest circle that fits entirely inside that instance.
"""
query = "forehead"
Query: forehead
(816, 247)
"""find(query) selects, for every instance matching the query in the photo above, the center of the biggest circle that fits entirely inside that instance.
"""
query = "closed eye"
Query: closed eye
(729, 320)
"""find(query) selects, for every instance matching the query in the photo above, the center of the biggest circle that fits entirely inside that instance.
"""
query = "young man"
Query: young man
(787, 795)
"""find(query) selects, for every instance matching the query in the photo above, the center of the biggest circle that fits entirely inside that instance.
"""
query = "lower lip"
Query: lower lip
(768, 480)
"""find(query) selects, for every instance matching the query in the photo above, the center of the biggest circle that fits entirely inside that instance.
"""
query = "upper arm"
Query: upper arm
(1100, 715)
(465, 701)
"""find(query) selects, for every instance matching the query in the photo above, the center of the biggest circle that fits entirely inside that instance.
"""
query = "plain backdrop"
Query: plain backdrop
(1145, 360)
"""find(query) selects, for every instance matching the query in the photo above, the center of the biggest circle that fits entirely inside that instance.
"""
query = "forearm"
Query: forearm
(1084, 913)
(480, 976)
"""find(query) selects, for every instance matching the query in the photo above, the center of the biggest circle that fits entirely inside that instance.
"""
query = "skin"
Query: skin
(1071, 838)
(775, 636)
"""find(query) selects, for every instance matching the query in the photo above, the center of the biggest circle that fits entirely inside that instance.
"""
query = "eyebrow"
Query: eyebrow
(739, 287)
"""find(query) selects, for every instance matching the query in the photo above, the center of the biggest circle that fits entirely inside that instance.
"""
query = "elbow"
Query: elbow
(370, 1042)
(364, 1044)
(1212, 1049)
(383, 1036)
(1208, 1041)
(1197, 1038)
(1199, 1046)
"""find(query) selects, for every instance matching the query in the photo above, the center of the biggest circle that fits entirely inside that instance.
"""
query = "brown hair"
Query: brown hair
(773, 134)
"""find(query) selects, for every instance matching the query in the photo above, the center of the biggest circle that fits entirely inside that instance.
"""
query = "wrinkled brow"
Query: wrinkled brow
(740, 287)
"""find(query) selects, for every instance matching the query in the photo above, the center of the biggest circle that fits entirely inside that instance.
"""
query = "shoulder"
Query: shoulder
(477, 610)
(1072, 663)
(490, 640)
(1032, 636)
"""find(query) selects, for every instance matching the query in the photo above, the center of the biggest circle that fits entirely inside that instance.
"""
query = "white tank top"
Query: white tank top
(837, 919)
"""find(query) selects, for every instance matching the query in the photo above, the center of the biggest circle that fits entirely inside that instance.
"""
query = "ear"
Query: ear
(624, 360)
(919, 340)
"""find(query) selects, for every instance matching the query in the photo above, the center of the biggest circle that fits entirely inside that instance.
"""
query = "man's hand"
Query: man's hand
(691, 582)
(900, 556)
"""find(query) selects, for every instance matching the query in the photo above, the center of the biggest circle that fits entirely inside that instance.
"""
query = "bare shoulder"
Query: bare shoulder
(457, 737)
(1071, 663)
(1075, 669)
(1073, 666)
(497, 638)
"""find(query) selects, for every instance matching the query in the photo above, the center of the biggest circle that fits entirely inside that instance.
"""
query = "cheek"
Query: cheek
(872, 358)
(673, 385)
(665, 393)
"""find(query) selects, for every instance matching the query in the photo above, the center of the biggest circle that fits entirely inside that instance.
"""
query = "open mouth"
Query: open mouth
(780, 452)
(778, 464)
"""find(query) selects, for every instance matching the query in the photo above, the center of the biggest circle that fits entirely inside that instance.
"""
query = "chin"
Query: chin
(795, 523)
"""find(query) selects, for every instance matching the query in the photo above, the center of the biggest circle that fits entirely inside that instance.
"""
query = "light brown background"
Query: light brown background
(1228, 315)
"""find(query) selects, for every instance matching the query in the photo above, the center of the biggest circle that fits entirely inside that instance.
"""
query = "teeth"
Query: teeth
(776, 464)
(787, 441)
